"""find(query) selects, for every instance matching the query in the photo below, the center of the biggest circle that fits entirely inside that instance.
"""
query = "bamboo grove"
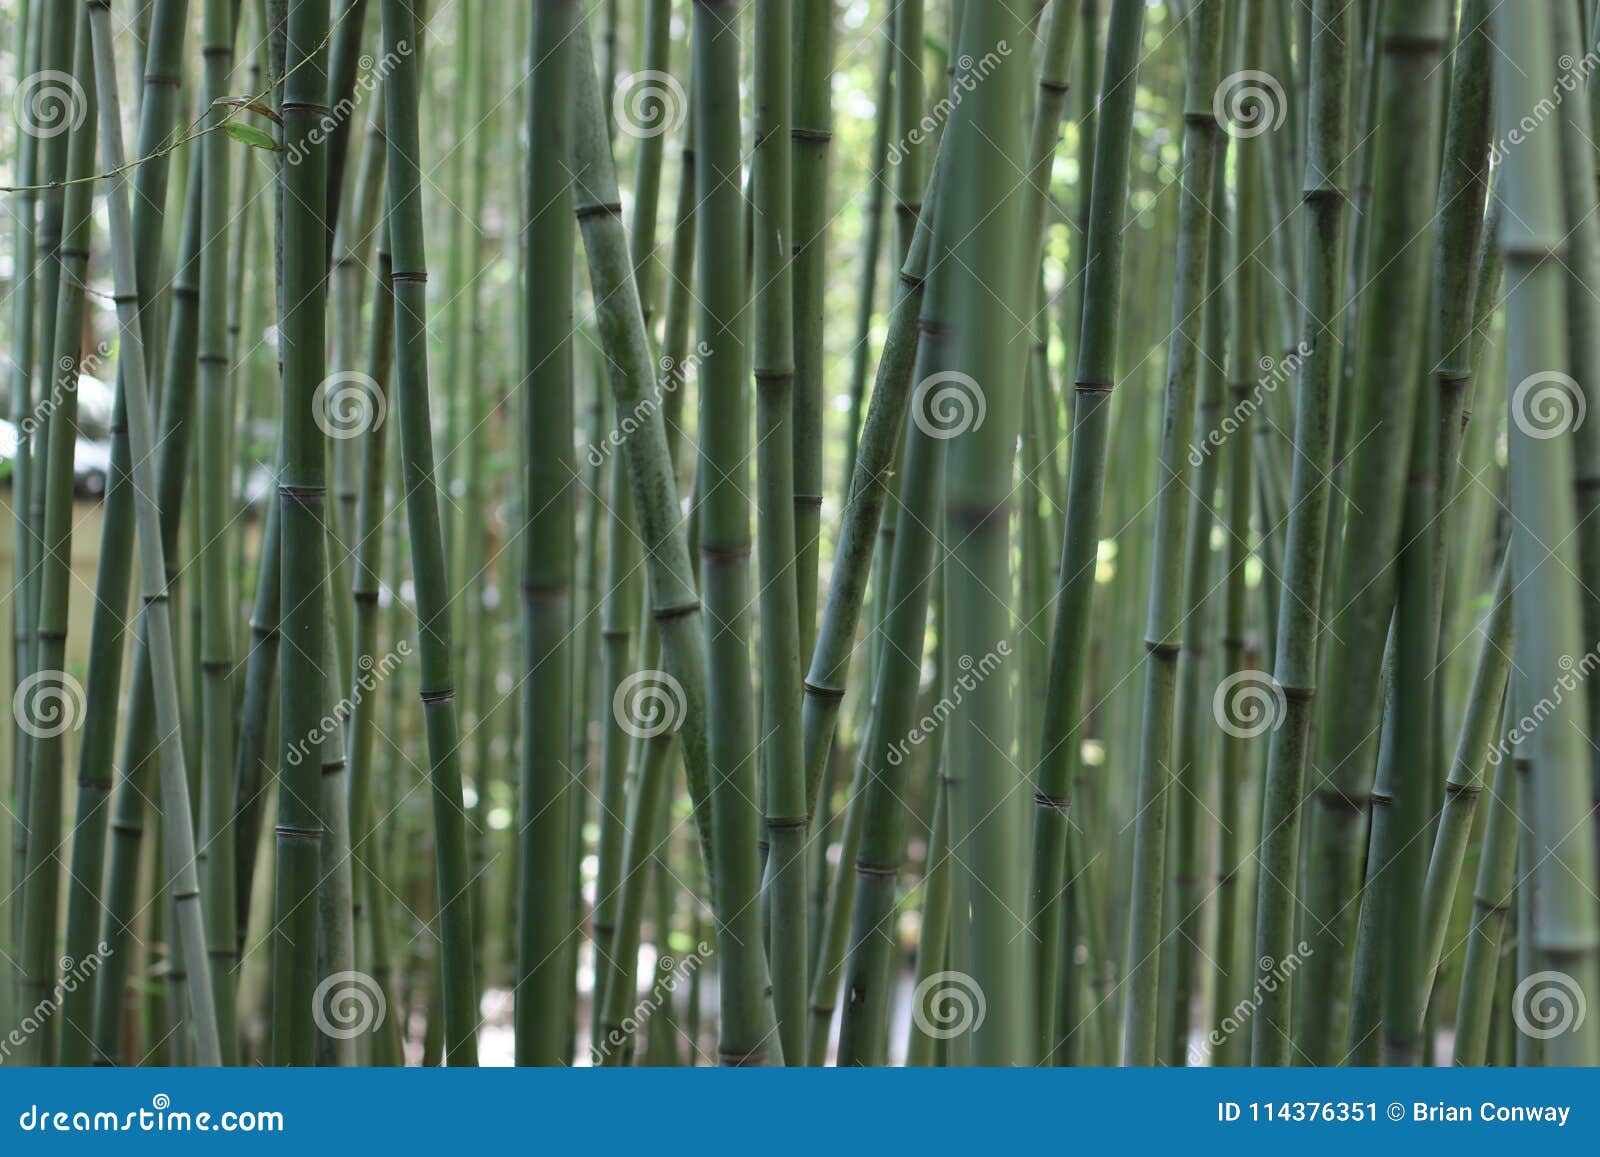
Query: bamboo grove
(927, 532)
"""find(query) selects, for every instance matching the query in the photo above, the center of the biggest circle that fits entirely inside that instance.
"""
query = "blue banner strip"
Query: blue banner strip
(1345, 1111)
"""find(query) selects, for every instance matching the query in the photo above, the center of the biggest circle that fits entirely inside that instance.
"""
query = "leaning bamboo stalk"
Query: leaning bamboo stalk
(675, 604)
(1162, 634)
(107, 633)
(1477, 746)
(1492, 899)
(174, 779)
(138, 751)
(1387, 376)
(858, 525)
(422, 516)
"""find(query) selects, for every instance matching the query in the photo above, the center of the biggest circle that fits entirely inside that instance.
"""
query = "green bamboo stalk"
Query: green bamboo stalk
(372, 894)
(1096, 369)
(812, 133)
(1547, 606)
(1163, 631)
(47, 706)
(179, 833)
(826, 969)
(427, 553)
(1492, 899)
(675, 605)
(987, 796)
(24, 257)
(55, 58)
(303, 559)
(216, 516)
(1195, 750)
(138, 753)
(872, 246)
(778, 427)
(859, 522)
(1295, 666)
(1476, 747)
(548, 545)
(1382, 411)
(747, 1019)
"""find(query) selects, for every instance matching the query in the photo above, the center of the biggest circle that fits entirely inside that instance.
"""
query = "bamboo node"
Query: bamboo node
(442, 695)
(1056, 803)
(298, 835)
(821, 692)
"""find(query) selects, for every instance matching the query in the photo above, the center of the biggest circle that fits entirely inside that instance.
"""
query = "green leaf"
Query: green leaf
(254, 137)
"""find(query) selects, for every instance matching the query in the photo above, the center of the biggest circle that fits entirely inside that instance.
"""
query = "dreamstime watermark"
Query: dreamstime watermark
(1572, 79)
(49, 103)
(947, 404)
(947, 1004)
(1249, 703)
(673, 375)
(648, 103)
(367, 79)
(160, 1117)
(373, 671)
(1574, 673)
(673, 972)
(1548, 1004)
(348, 404)
(973, 674)
(1271, 974)
(648, 703)
(1275, 372)
(74, 974)
(48, 703)
(1248, 103)
(1548, 404)
(347, 1004)
(68, 371)
(969, 73)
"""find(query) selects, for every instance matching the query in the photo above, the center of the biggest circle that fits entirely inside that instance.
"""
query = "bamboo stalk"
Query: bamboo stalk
(427, 550)
(1547, 605)
(1382, 411)
(548, 540)
(1096, 368)
(180, 857)
(1162, 634)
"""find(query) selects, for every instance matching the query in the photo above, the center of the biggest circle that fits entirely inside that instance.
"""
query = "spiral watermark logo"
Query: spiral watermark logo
(49, 103)
(347, 1004)
(1249, 103)
(348, 404)
(1248, 703)
(48, 704)
(648, 103)
(1548, 404)
(671, 972)
(947, 404)
(648, 703)
(947, 1004)
(1548, 1004)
